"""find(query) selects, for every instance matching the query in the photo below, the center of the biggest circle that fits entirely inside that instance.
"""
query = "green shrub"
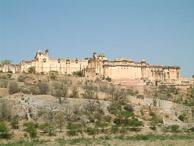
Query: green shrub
(107, 118)
(73, 126)
(6, 62)
(31, 128)
(134, 122)
(114, 108)
(48, 128)
(21, 78)
(108, 79)
(175, 128)
(130, 92)
(53, 74)
(92, 131)
(118, 121)
(4, 131)
(114, 129)
(74, 129)
(101, 125)
(15, 122)
(152, 114)
(160, 120)
(142, 112)
(181, 117)
(162, 88)
(57, 85)
(91, 118)
(128, 107)
(78, 73)
(140, 96)
(9, 75)
(31, 70)
(98, 116)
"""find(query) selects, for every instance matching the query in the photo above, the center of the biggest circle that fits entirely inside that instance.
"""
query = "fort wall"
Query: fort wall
(99, 66)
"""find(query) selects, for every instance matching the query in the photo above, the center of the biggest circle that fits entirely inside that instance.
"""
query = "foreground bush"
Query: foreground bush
(4, 131)
(31, 128)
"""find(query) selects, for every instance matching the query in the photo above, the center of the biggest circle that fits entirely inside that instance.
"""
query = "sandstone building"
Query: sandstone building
(99, 66)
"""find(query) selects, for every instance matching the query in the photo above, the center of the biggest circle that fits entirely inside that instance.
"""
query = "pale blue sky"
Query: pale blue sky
(160, 31)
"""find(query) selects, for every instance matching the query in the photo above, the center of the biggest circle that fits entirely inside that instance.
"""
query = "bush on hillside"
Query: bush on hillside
(3, 83)
(13, 87)
(44, 88)
(4, 131)
(31, 70)
(21, 78)
(31, 128)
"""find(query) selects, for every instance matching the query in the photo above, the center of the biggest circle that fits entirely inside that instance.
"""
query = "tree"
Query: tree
(91, 106)
(48, 128)
(69, 114)
(120, 96)
(61, 93)
(5, 110)
(74, 93)
(13, 87)
(89, 94)
(78, 73)
(60, 120)
(6, 62)
(43, 88)
(31, 70)
(48, 112)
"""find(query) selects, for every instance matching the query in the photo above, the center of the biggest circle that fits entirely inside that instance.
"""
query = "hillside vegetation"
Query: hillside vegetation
(37, 106)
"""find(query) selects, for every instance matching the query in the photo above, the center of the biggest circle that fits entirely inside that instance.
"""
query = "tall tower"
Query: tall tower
(143, 68)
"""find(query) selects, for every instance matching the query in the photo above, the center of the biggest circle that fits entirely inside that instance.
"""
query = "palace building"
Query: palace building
(98, 66)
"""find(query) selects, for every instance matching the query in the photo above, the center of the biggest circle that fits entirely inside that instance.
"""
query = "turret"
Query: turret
(47, 53)
(94, 55)
(143, 61)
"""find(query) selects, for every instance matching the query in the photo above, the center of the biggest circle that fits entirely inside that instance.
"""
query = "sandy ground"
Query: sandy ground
(116, 142)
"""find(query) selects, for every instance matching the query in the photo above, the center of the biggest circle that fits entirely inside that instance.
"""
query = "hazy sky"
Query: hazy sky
(159, 31)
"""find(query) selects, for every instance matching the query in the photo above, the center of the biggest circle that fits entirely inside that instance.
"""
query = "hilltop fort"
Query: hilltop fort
(99, 66)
